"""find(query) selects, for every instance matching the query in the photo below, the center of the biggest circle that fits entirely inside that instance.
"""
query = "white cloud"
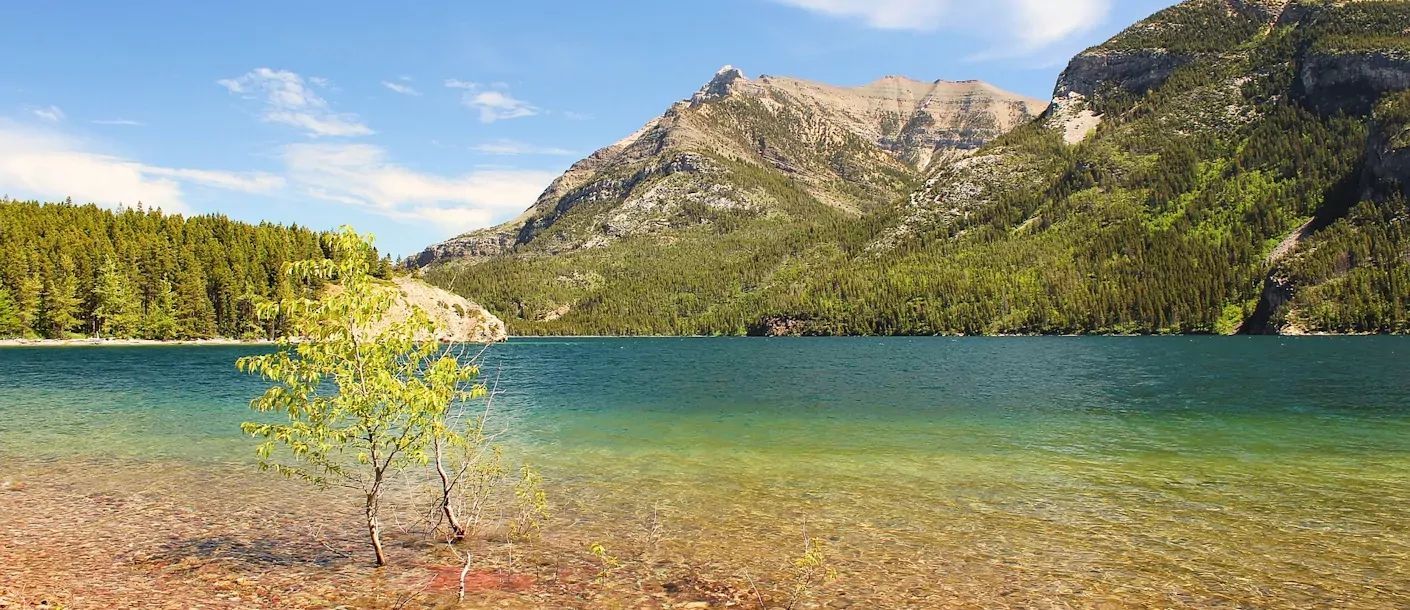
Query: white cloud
(1031, 24)
(120, 122)
(318, 126)
(577, 116)
(494, 101)
(512, 147)
(498, 105)
(361, 175)
(49, 165)
(259, 183)
(400, 88)
(1044, 22)
(50, 113)
(290, 101)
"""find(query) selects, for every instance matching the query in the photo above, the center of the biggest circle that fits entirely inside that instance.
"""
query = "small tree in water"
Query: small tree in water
(364, 398)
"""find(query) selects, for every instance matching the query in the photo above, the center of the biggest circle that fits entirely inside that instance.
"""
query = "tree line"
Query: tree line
(1160, 222)
(70, 270)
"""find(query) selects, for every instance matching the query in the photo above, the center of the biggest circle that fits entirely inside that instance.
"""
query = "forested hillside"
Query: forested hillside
(69, 270)
(1226, 165)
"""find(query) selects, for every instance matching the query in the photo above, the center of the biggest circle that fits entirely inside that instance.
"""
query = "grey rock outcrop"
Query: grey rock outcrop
(1351, 82)
(1387, 161)
(1133, 71)
(479, 244)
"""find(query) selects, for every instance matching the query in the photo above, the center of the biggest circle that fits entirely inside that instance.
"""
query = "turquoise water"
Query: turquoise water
(1179, 471)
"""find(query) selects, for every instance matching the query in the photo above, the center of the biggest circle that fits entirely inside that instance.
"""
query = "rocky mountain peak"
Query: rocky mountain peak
(725, 82)
(851, 149)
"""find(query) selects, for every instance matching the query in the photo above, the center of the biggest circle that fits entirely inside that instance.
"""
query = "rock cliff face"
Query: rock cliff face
(1353, 81)
(854, 148)
(1388, 151)
(1133, 71)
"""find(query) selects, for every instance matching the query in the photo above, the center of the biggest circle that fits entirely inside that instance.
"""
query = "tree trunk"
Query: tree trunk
(374, 528)
(456, 528)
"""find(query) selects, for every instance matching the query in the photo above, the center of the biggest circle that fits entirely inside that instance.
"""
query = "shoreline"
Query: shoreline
(99, 342)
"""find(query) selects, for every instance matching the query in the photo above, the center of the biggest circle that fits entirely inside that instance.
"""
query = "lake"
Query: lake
(1199, 472)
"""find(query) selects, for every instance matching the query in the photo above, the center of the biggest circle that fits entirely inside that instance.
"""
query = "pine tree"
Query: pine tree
(9, 315)
(28, 303)
(118, 309)
(160, 322)
(195, 316)
(126, 268)
(60, 306)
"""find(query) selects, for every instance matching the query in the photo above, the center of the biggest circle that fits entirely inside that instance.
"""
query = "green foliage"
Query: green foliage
(532, 507)
(159, 322)
(1162, 221)
(10, 325)
(118, 309)
(1357, 278)
(363, 399)
(28, 304)
(1196, 26)
(1378, 25)
(608, 562)
(810, 569)
(139, 273)
(195, 315)
(59, 305)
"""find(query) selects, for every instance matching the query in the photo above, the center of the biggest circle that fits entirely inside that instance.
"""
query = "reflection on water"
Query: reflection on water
(1198, 472)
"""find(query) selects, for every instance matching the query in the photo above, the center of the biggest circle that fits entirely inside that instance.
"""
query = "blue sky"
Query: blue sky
(421, 120)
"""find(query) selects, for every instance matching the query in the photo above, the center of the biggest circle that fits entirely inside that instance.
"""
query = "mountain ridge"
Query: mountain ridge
(1221, 166)
(892, 128)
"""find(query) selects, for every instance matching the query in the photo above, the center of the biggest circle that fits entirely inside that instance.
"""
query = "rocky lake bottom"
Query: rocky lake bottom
(1025, 473)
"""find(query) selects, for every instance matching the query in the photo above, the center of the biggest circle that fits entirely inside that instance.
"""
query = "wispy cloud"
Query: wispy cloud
(512, 147)
(493, 101)
(361, 175)
(47, 164)
(400, 88)
(1030, 24)
(51, 165)
(577, 116)
(119, 122)
(498, 106)
(259, 183)
(289, 100)
(50, 113)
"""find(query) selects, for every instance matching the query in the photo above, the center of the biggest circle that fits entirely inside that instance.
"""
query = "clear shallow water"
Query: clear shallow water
(1170, 471)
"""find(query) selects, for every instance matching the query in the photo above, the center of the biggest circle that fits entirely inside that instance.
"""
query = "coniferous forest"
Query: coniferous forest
(82, 271)
(1220, 192)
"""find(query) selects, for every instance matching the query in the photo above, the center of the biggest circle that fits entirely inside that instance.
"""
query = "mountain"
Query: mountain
(851, 149)
(1222, 166)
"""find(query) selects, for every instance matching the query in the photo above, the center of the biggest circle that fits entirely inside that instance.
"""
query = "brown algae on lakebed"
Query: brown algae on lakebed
(165, 535)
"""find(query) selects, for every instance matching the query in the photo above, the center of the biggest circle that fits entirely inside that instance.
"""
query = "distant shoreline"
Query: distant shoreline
(97, 342)
(91, 342)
